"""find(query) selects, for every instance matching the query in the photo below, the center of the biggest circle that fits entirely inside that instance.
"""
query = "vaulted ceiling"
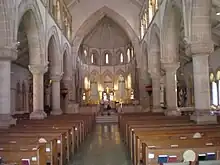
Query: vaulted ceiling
(106, 35)
(71, 3)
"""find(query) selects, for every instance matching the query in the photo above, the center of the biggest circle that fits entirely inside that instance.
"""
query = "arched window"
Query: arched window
(214, 90)
(86, 83)
(218, 84)
(129, 55)
(84, 96)
(144, 23)
(121, 58)
(142, 28)
(129, 81)
(58, 10)
(85, 52)
(132, 52)
(92, 58)
(156, 4)
(106, 58)
(150, 10)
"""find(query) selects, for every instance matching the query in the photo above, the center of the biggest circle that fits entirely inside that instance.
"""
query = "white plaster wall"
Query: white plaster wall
(17, 74)
(125, 8)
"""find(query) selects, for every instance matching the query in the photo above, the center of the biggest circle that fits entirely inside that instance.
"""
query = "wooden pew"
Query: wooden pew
(177, 148)
(140, 138)
(72, 135)
(14, 153)
(165, 129)
(170, 133)
(51, 148)
(56, 145)
(66, 129)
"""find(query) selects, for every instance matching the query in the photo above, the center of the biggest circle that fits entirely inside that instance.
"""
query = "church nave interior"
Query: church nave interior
(109, 82)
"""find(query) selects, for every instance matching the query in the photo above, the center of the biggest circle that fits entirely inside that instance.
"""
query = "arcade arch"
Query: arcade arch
(108, 58)
(29, 66)
(53, 76)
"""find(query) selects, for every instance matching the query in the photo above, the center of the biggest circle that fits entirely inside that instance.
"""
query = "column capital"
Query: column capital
(56, 77)
(171, 67)
(8, 53)
(38, 68)
(155, 75)
(67, 78)
(201, 48)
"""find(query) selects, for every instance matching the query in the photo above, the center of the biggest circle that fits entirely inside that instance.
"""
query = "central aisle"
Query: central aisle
(103, 147)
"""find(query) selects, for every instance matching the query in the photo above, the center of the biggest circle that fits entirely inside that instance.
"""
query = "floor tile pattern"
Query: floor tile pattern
(102, 147)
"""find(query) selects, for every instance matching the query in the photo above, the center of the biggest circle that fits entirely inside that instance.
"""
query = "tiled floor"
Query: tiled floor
(103, 147)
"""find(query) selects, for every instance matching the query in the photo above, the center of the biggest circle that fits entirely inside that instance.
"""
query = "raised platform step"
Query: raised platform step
(107, 119)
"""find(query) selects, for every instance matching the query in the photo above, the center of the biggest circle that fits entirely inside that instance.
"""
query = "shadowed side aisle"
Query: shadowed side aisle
(103, 147)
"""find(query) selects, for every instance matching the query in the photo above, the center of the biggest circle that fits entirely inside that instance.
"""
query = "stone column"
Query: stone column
(38, 71)
(73, 87)
(171, 88)
(72, 105)
(162, 102)
(202, 90)
(6, 56)
(201, 46)
(189, 96)
(156, 93)
(140, 93)
(56, 110)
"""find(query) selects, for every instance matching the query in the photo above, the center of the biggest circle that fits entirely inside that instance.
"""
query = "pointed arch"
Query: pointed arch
(53, 32)
(170, 22)
(54, 56)
(34, 28)
(97, 16)
(120, 72)
(94, 75)
(94, 72)
(154, 39)
(107, 73)
(154, 51)
(66, 61)
(120, 57)
(66, 49)
(95, 55)
(107, 57)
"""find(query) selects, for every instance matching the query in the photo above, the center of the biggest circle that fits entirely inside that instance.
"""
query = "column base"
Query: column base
(72, 108)
(6, 120)
(38, 115)
(157, 110)
(204, 118)
(172, 112)
(56, 112)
